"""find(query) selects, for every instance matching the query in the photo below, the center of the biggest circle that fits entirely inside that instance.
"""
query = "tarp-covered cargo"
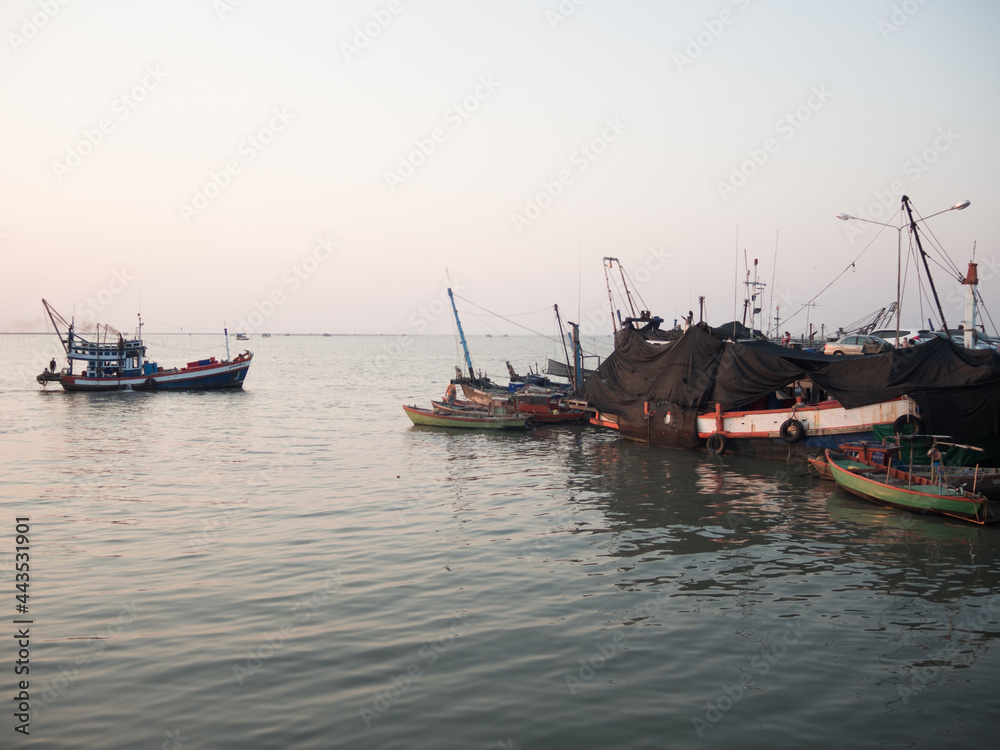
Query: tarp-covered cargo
(957, 389)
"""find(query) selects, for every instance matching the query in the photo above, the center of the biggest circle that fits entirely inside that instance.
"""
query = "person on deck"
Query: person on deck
(786, 339)
(449, 394)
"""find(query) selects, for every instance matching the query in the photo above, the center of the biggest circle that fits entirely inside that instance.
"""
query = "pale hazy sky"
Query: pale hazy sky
(316, 166)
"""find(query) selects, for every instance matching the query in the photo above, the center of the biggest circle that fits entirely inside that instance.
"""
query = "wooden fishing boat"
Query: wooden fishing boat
(472, 420)
(540, 408)
(976, 479)
(863, 451)
(799, 429)
(884, 485)
(547, 408)
(459, 406)
(110, 361)
(985, 481)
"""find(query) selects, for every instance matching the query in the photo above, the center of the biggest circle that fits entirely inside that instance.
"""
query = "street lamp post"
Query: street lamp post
(912, 225)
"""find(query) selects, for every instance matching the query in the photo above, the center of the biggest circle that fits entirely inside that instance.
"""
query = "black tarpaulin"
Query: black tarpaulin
(958, 390)
(747, 373)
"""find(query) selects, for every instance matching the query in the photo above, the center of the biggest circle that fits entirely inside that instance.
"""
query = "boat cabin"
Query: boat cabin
(120, 359)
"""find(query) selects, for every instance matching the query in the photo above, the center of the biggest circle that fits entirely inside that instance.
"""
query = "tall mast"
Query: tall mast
(52, 317)
(628, 294)
(607, 283)
(970, 281)
(577, 356)
(562, 336)
(754, 288)
(923, 257)
(461, 336)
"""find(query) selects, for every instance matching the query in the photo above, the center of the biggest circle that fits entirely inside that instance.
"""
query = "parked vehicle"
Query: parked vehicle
(858, 345)
(907, 336)
(980, 342)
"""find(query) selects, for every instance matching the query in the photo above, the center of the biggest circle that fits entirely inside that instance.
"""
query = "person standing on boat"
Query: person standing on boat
(52, 365)
(449, 394)
(786, 339)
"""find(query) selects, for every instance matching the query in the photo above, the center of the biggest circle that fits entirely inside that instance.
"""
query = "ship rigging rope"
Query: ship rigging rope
(553, 339)
(635, 289)
(945, 263)
(497, 315)
(805, 305)
(928, 232)
(950, 267)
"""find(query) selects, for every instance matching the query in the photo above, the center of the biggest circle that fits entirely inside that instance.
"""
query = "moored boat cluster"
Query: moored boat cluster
(725, 391)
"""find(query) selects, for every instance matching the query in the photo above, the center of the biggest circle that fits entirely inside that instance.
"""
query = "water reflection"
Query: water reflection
(761, 539)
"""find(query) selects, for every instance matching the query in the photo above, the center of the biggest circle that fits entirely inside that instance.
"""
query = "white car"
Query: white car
(906, 336)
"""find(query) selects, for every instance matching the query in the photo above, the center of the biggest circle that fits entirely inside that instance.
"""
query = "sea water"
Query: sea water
(295, 565)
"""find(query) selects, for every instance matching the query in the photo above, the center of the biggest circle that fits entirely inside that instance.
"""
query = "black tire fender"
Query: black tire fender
(716, 444)
(908, 419)
(791, 431)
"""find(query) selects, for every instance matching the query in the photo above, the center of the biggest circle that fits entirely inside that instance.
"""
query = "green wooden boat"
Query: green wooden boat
(473, 421)
(884, 485)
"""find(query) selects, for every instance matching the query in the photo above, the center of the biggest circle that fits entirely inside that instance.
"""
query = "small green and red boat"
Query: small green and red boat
(469, 421)
(882, 484)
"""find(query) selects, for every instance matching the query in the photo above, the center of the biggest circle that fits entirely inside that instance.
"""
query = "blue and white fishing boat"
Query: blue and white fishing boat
(111, 362)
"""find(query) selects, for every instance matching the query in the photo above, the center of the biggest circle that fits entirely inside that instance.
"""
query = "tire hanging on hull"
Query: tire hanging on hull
(716, 444)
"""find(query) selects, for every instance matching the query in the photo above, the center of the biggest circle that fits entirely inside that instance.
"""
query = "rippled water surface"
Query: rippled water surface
(296, 566)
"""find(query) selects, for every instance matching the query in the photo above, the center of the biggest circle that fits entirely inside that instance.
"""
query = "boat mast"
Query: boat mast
(577, 356)
(52, 317)
(754, 288)
(562, 336)
(607, 283)
(971, 281)
(628, 294)
(461, 336)
(923, 257)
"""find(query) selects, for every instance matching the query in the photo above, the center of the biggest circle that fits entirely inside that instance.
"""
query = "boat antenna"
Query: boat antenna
(736, 279)
(774, 269)
(923, 257)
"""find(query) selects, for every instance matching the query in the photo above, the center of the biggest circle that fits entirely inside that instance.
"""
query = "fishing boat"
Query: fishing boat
(984, 481)
(470, 420)
(718, 388)
(110, 361)
(540, 408)
(703, 389)
(883, 484)
(459, 406)
(546, 407)
(878, 453)
(810, 427)
(479, 389)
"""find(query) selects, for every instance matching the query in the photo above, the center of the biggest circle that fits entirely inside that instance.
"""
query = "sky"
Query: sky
(333, 167)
